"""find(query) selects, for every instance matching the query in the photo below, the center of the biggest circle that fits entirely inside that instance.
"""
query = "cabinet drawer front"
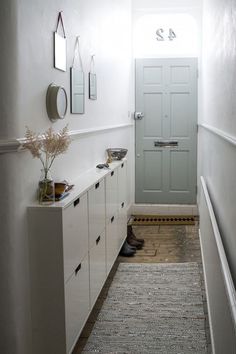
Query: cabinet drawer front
(96, 211)
(112, 242)
(111, 195)
(75, 234)
(97, 258)
(122, 184)
(76, 303)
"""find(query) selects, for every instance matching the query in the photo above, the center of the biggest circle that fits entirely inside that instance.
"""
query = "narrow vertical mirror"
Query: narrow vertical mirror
(92, 86)
(77, 82)
(92, 80)
(77, 90)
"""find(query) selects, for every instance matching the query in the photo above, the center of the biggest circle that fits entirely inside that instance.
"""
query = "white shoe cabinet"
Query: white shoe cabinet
(73, 245)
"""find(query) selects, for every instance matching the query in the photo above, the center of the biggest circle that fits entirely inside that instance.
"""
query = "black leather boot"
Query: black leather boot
(131, 235)
(133, 242)
(127, 250)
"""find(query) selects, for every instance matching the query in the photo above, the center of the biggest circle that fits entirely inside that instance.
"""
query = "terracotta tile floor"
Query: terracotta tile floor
(170, 244)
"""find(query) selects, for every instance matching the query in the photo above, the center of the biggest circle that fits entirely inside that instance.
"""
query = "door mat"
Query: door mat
(162, 220)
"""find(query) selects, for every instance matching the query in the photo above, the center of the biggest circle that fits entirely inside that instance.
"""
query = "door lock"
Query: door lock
(138, 115)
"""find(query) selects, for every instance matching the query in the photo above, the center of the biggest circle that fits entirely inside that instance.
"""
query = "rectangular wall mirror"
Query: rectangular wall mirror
(92, 86)
(77, 90)
(60, 45)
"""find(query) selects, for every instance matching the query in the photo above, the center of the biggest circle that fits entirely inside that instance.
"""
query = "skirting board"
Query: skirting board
(163, 209)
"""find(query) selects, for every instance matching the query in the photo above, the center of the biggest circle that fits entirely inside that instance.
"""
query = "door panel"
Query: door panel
(179, 74)
(179, 176)
(166, 92)
(179, 114)
(152, 75)
(153, 106)
(153, 181)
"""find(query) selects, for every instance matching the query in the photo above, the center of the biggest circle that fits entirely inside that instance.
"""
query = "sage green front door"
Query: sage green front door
(166, 131)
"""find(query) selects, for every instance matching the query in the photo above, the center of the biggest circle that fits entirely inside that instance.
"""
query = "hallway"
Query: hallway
(38, 293)
(163, 244)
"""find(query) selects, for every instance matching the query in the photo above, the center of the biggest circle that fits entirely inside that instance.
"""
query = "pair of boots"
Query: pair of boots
(131, 244)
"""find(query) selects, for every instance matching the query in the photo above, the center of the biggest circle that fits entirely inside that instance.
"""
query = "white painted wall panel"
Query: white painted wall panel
(216, 156)
(220, 292)
(27, 70)
(219, 70)
(218, 110)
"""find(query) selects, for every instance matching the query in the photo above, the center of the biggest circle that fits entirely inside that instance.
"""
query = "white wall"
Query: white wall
(217, 162)
(27, 70)
(103, 31)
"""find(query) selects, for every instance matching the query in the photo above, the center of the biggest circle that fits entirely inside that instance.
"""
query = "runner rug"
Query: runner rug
(151, 308)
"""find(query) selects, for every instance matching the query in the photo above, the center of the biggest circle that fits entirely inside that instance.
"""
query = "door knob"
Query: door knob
(138, 115)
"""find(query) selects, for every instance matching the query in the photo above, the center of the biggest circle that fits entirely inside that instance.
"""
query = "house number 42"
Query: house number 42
(160, 36)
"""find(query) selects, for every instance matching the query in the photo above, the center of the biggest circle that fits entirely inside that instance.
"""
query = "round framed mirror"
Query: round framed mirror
(56, 102)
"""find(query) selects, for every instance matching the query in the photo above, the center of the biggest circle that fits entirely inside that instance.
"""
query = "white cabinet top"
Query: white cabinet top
(81, 185)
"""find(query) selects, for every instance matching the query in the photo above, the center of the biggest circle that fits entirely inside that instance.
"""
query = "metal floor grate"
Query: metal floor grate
(162, 220)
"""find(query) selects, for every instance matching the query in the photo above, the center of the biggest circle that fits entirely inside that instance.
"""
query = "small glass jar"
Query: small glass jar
(46, 189)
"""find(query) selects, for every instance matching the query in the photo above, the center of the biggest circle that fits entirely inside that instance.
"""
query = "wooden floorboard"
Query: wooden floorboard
(163, 244)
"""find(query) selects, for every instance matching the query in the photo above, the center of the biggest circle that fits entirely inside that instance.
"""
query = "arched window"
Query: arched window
(146, 30)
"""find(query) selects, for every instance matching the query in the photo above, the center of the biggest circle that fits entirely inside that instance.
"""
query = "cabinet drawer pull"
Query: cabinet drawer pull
(112, 173)
(77, 269)
(76, 202)
(96, 185)
(112, 219)
(122, 205)
(122, 165)
(98, 239)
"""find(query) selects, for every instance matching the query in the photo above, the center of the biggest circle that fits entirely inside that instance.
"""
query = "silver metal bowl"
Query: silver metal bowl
(116, 153)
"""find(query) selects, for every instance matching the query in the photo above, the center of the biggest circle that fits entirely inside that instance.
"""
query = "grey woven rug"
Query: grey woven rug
(151, 308)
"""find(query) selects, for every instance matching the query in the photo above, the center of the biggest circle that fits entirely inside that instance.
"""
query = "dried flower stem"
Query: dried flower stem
(47, 146)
